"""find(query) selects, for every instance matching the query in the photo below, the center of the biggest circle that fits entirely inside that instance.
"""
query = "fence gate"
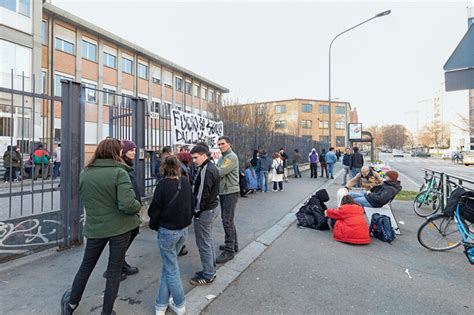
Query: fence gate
(31, 216)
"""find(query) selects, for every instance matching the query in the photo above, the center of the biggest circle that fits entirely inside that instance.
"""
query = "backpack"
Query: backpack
(280, 169)
(381, 227)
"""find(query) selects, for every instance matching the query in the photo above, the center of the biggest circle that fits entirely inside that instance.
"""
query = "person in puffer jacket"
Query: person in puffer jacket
(351, 226)
(311, 215)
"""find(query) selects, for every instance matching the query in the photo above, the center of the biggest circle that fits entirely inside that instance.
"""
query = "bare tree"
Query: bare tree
(395, 136)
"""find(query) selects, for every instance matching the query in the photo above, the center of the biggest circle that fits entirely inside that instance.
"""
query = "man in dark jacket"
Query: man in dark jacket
(322, 161)
(357, 161)
(206, 190)
(312, 213)
(284, 157)
(379, 195)
(346, 164)
(264, 164)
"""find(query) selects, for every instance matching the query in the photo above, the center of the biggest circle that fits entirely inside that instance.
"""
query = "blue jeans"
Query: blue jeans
(257, 173)
(263, 179)
(56, 166)
(355, 171)
(170, 243)
(205, 243)
(360, 199)
(296, 169)
(331, 169)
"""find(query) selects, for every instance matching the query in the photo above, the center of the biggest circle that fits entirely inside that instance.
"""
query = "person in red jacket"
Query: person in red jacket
(350, 226)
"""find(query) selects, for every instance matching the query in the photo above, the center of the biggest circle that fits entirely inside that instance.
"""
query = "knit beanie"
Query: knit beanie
(127, 145)
(393, 175)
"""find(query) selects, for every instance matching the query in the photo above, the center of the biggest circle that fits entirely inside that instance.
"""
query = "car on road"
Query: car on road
(468, 158)
(420, 154)
(397, 153)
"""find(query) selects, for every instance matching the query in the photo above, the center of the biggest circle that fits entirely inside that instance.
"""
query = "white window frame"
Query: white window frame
(123, 64)
(179, 86)
(107, 57)
(87, 45)
(139, 71)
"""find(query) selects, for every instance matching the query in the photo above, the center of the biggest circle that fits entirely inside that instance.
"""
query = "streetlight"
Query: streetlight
(330, 46)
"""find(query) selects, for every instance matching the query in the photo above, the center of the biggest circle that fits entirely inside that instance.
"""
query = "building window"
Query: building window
(196, 90)
(19, 6)
(306, 124)
(323, 124)
(6, 127)
(64, 45)
(340, 141)
(110, 60)
(340, 125)
(127, 65)
(179, 84)
(109, 97)
(8, 4)
(203, 93)
(166, 110)
(89, 51)
(156, 80)
(306, 108)
(168, 79)
(324, 139)
(340, 110)
(211, 96)
(44, 32)
(142, 71)
(188, 87)
(91, 93)
(261, 109)
(323, 109)
(280, 124)
(57, 83)
(307, 137)
(155, 107)
(280, 109)
(43, 82)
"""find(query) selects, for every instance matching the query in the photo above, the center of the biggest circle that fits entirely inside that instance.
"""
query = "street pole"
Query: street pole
(330, 46)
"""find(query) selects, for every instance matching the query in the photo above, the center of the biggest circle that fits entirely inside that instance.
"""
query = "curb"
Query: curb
(197, 299)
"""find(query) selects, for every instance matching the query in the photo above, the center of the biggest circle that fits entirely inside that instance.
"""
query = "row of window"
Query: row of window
(340, 140)
(308, 108)
(308, 124)
(18, 6)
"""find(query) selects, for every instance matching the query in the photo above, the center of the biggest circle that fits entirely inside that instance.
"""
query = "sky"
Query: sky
(388, 68)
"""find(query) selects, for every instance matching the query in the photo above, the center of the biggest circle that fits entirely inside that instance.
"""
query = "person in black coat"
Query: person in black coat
(312, 213)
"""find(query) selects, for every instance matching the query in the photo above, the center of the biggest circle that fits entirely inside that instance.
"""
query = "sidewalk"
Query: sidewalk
(35, 287)
(306, 272)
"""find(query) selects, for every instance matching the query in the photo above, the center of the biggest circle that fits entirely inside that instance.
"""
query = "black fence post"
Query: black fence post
(138, 136)
(72, 149)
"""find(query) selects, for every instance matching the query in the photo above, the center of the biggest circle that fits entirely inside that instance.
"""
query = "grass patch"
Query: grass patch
(406, 195)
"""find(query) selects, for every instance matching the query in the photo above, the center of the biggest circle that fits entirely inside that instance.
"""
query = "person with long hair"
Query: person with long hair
(350, 226)
(171, 213)
(251, 178)
(277, 177)
(111, 214)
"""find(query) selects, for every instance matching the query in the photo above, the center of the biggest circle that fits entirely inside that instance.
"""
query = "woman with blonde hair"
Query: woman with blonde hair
(278, 171)
(111, 214)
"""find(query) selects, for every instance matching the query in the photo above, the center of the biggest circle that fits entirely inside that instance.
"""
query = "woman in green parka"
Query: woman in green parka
(111, 215)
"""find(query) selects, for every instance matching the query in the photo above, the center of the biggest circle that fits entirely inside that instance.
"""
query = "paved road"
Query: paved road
(413, 167)
(43, 281)
(306, 272)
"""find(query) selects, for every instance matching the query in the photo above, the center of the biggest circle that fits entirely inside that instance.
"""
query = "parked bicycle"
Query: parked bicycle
(428, 201)
(449, 230)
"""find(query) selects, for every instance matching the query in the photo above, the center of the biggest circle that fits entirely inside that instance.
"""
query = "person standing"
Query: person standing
(41, 159)
(313, 163)
(277, 175)
(254, 162)
(330, 161)
(357, 161)
(228, 167)
(322, 161)
(296, 163)
(264, 165)
(206, 191)
(171, 213)
(57, 162)
(346, 162)
(18, 163)
(284, 158)
(111, 214)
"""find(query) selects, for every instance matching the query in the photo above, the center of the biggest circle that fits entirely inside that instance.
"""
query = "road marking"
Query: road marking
(406, 176)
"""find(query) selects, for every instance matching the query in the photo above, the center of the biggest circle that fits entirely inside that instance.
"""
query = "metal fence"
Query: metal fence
(246, 139)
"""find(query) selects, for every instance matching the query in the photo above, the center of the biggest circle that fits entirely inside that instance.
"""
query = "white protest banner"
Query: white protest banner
(189, 129)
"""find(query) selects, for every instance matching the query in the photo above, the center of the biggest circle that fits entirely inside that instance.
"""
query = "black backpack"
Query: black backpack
(280, 169)
(381, 227)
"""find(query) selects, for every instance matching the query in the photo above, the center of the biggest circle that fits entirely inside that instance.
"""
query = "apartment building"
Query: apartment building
(41, 41)
(309, 118)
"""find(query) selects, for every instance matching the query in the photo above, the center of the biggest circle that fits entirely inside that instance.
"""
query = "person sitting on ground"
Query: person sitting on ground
(251, 178)
(366, 178)
(380, 195)
(350, 226)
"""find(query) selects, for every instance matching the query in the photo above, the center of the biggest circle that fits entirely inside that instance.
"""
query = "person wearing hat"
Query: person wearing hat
(128, 155)
(378, 196)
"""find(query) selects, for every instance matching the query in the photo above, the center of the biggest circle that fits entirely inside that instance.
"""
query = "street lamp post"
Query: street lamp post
(330, 46)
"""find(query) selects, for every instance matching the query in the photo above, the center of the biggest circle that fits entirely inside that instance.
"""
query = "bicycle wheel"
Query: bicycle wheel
(427, 203)
(439, 233)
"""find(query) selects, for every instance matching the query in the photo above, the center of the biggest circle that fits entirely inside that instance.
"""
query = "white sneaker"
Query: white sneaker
(178, 310)
(160, 312)
(274, 190)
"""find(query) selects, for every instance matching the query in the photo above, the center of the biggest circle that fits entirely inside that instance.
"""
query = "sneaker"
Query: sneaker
(123, 276)
(274, 190)
(201, 274)
(66, 308)
(160, 312)
(332, 177)
(200, 280)
(224, 257)
(129, 270)
(178, 310)
(222, 247)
